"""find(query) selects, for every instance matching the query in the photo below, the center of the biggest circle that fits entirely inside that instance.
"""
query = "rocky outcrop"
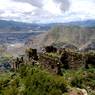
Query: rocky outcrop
(78, 91)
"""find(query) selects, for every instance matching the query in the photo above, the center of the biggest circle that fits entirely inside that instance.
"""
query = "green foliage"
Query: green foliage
(39, 82)
(82, 78)
(33, 81)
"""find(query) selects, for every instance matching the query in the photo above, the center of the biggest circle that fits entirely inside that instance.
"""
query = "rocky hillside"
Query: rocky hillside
(60, 34)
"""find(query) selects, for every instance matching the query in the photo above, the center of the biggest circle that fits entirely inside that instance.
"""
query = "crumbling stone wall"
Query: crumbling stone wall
(72, 60)
(52, 64)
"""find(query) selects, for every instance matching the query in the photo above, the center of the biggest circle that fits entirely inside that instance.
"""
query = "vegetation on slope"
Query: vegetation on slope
(32, 81)
(30, 78)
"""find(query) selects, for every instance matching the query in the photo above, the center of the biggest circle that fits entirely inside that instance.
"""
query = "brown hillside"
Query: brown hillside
(75, 35)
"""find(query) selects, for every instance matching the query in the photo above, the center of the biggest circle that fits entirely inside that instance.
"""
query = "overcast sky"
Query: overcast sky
(46, 11)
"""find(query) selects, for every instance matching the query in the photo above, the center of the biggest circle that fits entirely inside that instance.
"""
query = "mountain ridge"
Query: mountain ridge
(11, 26)
(75, 35)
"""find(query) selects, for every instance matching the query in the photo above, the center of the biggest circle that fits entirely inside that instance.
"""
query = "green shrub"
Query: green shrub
(43, 83)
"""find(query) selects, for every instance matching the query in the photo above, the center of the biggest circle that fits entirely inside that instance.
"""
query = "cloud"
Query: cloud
(52, 7)
(83, 6)
(83, 9)
(47, 10)
(29, 10)
(64, 4)
(48, 5)
(37, 3)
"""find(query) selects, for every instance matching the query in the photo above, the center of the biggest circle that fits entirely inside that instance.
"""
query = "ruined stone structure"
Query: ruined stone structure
(50, 63)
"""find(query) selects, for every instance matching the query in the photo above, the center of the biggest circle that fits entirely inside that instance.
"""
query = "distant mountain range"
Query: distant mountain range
(87, 23)
(79, 33)
(11, 26)
(74, 33)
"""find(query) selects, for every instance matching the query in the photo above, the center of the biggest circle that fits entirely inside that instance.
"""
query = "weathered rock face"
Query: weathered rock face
(78, 91)
(68, 60)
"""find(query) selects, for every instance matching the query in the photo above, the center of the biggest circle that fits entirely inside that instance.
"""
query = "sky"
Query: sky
(47, 11)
